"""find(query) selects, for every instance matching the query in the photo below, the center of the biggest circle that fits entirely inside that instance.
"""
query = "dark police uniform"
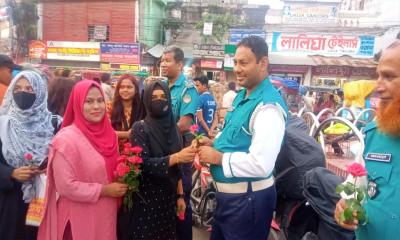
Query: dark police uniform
(382, 161)
(184, 98)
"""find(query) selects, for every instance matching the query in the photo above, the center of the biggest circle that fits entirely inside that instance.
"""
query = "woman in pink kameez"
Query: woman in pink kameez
(81, 199)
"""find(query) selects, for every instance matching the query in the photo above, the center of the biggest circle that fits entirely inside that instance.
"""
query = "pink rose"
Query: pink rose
(356, 170)
(28, 156)
(122, 169)
(136, 150)
(194, 128)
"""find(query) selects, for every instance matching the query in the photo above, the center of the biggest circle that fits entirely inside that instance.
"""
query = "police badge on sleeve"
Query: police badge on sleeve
(372, 189)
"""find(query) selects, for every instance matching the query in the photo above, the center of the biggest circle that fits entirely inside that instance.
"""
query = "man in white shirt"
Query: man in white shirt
(243, 156)
(229, 96)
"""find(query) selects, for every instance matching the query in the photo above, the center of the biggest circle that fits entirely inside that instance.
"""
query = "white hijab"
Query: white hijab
(26, 131)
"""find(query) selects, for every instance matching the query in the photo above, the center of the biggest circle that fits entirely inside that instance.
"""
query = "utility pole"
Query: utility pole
(11, 6)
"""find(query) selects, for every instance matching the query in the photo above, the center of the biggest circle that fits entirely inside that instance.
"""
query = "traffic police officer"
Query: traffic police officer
(184, 98)
(243, 156)
(382, 156)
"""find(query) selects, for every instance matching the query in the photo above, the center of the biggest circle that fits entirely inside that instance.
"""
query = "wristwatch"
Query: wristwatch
(180, 195)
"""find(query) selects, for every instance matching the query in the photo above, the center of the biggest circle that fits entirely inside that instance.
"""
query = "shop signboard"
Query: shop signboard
(73, 51)
(208, 51)
(229, 56)
(343, 71)
(310, 13)
(120, 52)
(280, 68)
(37, 49)
(213, 63)
(334, 45)
(126, 67)
(235, 35)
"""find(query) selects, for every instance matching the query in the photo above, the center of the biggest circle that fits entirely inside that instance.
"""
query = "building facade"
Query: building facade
(94, 34)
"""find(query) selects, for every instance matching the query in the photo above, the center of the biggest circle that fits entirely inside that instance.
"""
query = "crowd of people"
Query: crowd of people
(73, 131)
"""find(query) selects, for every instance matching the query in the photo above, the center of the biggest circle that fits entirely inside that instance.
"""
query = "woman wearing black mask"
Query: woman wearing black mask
(26, 128)
(154, 216)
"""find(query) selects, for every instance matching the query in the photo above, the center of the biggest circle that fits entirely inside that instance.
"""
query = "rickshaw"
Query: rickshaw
(289, 90)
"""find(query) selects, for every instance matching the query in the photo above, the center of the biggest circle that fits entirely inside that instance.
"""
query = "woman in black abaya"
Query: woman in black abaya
(153, 215)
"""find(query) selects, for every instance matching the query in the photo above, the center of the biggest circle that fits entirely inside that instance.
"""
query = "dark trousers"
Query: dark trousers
(244, 216)
(184, 228)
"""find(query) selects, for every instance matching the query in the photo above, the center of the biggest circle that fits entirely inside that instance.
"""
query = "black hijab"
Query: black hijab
(163, 131)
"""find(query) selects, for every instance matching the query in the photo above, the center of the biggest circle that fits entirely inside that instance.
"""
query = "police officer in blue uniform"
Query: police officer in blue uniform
(184, 99)
(243, 156)
(382, 157)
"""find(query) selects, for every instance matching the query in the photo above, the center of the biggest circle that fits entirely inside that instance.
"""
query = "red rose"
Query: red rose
(135, 160)
(356, 170)
(122, 169)
(139, 160)
(194, 128)
(181, 215)
(121, 159)
(136, 150)
(127, 151)
(127, 145)
(28, 156)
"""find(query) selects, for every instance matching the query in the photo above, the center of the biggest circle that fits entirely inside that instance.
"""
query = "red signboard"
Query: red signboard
(217, 64)
(37, 49)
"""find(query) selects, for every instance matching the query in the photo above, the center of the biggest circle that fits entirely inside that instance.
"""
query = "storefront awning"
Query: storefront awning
(343, 61)
(290, 60)
(158, 49)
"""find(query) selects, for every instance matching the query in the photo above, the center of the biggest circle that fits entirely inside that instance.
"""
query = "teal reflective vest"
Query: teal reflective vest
(236, 135)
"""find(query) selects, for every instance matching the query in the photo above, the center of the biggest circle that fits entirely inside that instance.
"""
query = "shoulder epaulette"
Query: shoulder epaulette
(189, 84)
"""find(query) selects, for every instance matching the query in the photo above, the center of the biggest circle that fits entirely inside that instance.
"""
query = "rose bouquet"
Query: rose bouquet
(354, 195)
(128, 171)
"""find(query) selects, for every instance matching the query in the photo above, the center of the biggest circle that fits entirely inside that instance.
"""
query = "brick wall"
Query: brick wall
(68, 21)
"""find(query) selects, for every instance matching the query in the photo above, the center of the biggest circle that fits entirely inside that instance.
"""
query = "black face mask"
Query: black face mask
(159, 107)
(24, 100)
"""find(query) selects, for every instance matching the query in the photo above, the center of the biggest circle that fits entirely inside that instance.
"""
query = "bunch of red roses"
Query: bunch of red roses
(128, 171)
